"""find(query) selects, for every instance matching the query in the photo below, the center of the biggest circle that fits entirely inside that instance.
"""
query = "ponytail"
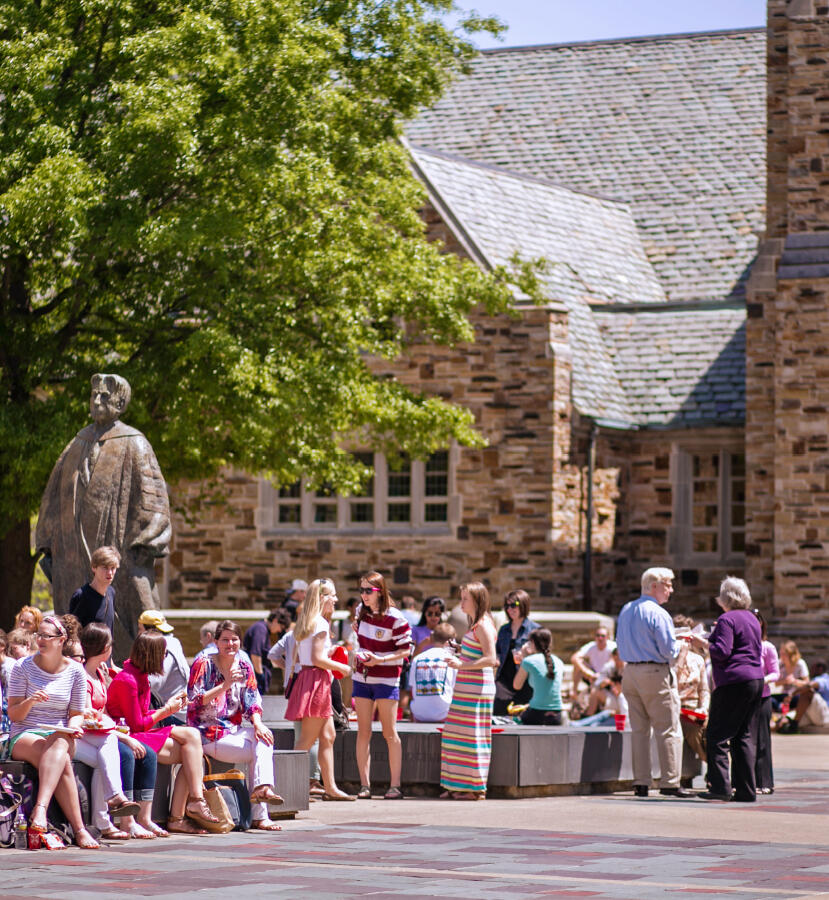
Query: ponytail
(542, 640)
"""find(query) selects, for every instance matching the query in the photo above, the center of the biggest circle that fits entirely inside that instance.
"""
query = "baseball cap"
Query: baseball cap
(298, 585)
(152, 618)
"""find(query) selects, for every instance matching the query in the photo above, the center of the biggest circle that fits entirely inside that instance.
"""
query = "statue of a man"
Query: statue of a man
(106, 489)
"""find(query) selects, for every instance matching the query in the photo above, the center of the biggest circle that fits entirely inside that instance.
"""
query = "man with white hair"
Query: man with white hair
(647, 643)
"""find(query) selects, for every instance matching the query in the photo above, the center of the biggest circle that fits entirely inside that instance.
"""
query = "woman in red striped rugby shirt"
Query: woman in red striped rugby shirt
(384, 640)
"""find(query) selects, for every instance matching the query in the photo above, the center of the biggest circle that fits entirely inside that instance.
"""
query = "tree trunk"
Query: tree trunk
(17, 566)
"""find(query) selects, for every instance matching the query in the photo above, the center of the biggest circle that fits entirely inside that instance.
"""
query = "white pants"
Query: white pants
(243, 747)
(100, 752)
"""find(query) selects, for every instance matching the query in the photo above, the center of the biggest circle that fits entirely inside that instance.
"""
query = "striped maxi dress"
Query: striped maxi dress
(467, 734)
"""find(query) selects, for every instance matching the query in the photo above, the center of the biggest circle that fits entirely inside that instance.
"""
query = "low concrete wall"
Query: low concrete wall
(526, 761)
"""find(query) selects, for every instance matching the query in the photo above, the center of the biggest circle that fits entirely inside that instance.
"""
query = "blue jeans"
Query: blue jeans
(138, 775)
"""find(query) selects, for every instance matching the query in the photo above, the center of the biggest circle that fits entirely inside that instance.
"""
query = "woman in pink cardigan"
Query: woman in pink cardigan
(129, 699)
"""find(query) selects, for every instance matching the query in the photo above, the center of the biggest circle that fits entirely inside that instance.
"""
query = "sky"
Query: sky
(565, 21)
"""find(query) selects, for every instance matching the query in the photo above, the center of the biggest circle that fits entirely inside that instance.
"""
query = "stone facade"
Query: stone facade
(787, 376)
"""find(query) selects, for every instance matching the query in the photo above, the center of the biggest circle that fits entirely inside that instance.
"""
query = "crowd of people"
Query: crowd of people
(63, 698)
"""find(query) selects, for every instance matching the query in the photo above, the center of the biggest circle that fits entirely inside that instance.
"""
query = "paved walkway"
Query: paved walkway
(601, 847)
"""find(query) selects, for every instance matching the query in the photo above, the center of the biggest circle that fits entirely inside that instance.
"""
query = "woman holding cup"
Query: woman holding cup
(226, 707)
(536, 663)
(310, 687)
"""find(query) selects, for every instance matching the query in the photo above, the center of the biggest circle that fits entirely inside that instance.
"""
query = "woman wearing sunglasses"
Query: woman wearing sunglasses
(47, 696)
(512, 636)
(384, 640)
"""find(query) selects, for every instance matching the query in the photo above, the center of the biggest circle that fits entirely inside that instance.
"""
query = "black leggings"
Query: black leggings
(532, 716)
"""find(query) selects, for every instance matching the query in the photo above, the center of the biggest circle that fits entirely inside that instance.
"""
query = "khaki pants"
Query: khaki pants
(653, 703)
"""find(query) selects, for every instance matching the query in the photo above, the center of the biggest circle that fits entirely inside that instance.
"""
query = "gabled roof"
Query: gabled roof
(590, 243)
(674, 126)
(637, 361)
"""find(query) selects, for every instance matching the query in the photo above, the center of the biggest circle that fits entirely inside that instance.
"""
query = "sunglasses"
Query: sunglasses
(513, 605)
(370, 590)
(433, 612)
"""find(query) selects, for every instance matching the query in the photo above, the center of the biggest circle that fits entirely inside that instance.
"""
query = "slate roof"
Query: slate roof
(674, 125)
(680, 367)
(636, 360)
(591, 244)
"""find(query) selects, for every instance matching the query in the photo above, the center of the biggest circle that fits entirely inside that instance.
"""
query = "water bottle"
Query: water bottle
(122, 726)
(21, 838)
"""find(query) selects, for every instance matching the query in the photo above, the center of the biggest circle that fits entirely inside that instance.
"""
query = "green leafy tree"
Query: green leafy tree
(209, 198)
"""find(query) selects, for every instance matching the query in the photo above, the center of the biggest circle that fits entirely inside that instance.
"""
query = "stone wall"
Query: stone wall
(787, 374)
(507, 519)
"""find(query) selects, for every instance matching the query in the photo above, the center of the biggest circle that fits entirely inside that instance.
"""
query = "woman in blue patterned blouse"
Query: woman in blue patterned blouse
(226, 707)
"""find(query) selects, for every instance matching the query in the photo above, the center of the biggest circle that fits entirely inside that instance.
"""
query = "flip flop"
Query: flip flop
(341, 797)
(139, 833)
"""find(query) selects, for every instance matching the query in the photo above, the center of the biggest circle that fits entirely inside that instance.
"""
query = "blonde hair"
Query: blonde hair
(791, 651)
(311, 608)
(480, 596)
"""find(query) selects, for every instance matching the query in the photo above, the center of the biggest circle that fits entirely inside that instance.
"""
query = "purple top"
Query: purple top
(771, 666)
(734, 645)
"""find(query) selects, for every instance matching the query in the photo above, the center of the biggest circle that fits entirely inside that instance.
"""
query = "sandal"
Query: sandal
(265, 825)
(315, 788)
(115, 834)
(340, 795)
(364, 793)
(35, 826)
(139, 833)
(199, 811)
(266, 794)
(393, 793)
(120, 806)
(181, 825)
(86, 843)
(155, 830)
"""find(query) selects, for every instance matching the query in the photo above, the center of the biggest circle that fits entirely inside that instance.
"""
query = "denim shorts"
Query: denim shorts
(375, 691)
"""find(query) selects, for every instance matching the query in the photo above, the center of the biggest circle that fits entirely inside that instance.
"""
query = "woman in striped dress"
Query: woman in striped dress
(467, 735)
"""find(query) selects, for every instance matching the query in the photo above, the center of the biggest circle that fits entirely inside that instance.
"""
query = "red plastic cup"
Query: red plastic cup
(340, 655)
(619, 721)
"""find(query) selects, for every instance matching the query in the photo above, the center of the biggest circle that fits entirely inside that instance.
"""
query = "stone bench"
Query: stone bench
(290, 768)
(526, 761)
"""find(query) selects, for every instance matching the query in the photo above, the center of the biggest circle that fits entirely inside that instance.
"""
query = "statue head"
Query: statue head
(110, 397)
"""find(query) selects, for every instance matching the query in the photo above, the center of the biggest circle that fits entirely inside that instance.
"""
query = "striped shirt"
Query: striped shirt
(66, 690)
(382, 634)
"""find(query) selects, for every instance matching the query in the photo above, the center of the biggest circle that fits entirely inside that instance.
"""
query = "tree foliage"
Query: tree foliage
(208, 197)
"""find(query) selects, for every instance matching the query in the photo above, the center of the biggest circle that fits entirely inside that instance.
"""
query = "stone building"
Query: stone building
(617, 412)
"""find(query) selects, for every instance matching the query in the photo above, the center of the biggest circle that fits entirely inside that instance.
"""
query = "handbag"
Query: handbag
(234, 791)
(216, 804)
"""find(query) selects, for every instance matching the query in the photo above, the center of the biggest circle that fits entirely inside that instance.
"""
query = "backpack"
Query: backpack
(16, 792)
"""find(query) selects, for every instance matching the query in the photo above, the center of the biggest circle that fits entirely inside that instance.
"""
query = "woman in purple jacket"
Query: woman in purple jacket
(735, 646)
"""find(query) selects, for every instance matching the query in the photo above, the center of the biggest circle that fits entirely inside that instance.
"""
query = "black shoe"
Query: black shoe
(640, 790)
(747, 798)
(676, 792)
(710, 795)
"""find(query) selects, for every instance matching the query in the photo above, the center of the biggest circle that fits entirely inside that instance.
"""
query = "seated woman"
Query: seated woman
(129, 698)
(48, 692)
(223, 694)
(99, 750)
(137, 762)
(536, 663)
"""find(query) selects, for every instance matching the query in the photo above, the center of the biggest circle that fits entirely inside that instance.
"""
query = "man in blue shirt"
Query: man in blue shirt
(647, 643)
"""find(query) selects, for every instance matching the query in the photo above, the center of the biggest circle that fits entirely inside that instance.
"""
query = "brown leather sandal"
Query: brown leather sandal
(183, 825)
(199, 811)
(266, 794)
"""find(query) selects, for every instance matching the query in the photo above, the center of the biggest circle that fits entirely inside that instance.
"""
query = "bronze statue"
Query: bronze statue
(106, 488)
